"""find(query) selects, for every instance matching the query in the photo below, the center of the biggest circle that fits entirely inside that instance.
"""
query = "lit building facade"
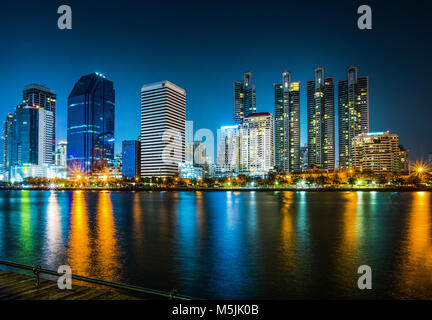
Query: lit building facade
(321, 121)
(403, 159)
(90, 125)
(379, 153)
(228, 155)
(353, 104)
(45, 98)
(244, 97)
(131, 158)
(20, 172)
(287, 124)
(163, 126)
(61, 154)
(189, 141)
(188, 171)
(256, 144)
(304, 158)
(28, 139)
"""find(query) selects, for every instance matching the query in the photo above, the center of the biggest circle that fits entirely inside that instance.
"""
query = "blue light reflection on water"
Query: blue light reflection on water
(229, 245)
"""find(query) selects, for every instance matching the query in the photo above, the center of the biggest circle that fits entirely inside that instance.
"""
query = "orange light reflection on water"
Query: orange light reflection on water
(414, 271)
(79, 243)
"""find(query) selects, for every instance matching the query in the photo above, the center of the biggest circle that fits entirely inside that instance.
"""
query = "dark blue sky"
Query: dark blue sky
(205, 46)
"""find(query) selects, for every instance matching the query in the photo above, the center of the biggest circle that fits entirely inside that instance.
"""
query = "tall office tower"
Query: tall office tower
(256, 144)
(353, 104)
(61, 154)
(287, 124)
(229, 148)
(90, 125)
(7, 146)
(131, 152)
(321, 121)
(28, 138)
(244, 97)
(45, 98)
(189, 140)
(379, 152)
(163, 126)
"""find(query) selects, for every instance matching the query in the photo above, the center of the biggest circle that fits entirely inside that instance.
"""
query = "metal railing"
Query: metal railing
(37, 270)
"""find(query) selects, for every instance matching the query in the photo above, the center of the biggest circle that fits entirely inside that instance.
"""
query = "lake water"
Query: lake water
(229, 245)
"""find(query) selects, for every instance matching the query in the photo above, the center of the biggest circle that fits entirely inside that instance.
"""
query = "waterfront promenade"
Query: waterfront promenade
(16, 286)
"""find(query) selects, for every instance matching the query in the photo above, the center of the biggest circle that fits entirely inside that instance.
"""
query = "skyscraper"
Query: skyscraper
(7, 146)
(90, 125)
(163, 127)
(189, 141)
(61, 154)
(287, 124)
(244, 97)
(131, 158)
(28, 139)
(353, 107)
(45, 98)
(256, 144)
(229, 148)
(321, 121)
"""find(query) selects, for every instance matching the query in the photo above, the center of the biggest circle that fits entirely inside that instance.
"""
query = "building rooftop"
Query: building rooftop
(38, 87)
(161, 84)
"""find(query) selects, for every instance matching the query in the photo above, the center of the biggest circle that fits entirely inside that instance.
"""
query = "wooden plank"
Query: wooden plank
(14, 286)
(63, 294)
(23, 288)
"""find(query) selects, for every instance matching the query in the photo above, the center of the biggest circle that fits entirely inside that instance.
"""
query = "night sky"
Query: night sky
(205, 46)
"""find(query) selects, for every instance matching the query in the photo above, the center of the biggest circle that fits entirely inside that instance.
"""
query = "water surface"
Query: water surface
(229, 245)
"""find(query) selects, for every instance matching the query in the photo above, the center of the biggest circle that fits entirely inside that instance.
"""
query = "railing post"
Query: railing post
(36, 271)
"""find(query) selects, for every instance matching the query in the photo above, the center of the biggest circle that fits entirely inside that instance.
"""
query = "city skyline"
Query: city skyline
(348, 92)
(197, 60)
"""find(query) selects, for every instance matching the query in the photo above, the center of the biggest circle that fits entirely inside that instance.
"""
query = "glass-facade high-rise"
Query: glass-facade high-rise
(28, 139)
(42, 97)
(287, 124)
(321, 121)
(353, 110)
(131, 158)
(90, 125)
(244, 98)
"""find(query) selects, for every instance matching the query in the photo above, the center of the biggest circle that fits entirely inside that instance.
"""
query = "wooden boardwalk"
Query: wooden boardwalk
(15, 286)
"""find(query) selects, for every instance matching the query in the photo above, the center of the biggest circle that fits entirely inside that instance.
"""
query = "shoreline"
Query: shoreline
(233, 189)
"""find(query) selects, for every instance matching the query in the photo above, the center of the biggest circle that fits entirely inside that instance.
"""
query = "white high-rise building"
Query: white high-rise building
(163, 129)
(229, 147)
(46, 137)
(256, 144)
